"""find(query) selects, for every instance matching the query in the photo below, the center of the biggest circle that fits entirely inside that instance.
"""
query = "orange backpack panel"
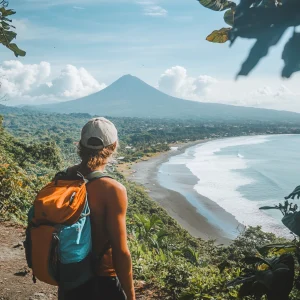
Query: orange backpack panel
(60, 202)
(42, 239)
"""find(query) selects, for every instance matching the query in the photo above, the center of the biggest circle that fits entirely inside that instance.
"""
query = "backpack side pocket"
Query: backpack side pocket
(42, 253)
(28, 243)
(28, 247)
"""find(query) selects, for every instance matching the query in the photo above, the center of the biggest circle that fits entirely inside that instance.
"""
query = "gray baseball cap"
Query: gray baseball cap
(98, 133)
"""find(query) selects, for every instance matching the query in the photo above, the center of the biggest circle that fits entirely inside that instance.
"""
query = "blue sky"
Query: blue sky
(145, 38)
(118, 36)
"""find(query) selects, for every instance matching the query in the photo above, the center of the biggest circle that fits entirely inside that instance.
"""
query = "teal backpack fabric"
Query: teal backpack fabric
(75, 252)
(75, 240)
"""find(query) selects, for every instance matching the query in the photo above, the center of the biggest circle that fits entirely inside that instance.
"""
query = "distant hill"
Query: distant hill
(131, 97)
(8, 109)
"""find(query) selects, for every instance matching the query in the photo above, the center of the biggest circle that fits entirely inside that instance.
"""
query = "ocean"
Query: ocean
(240, 175)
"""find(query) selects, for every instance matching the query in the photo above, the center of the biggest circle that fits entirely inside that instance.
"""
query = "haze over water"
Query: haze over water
(242, 174)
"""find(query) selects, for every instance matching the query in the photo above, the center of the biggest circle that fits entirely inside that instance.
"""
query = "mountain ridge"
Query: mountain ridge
(129, 96)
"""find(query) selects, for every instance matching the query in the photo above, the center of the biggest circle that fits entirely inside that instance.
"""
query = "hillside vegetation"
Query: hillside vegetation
(143, 136)
(166, 259)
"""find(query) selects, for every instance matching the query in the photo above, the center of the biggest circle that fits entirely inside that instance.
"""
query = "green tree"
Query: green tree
(7, 34)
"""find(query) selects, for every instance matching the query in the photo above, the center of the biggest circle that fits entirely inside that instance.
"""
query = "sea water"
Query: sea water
(243, 174)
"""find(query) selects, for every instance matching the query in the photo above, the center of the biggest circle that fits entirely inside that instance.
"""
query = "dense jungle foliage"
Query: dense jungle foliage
(166, 259)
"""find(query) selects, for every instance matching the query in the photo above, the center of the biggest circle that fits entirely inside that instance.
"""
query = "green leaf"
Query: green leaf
(6, 19)
(6, 12)
(6, 36)
(241, 279)
(268, 207)
(217, 5)
(5, 25)
(155, 220)
(283, 248)
(219, 36)
(177, 252)
(161, 234)
(296, 191)
(250, 260)
(17, 51)
(229, 17)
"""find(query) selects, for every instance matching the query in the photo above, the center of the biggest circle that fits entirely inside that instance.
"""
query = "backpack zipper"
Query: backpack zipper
(72, 197)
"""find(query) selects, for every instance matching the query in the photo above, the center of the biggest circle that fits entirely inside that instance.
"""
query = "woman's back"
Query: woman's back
(97, 193)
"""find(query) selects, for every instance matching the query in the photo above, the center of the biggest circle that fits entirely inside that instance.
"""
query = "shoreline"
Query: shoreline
(177, 204)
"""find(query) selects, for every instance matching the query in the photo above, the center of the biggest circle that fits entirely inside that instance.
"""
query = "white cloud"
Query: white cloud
(150, 8)
(282, 91)
(261, 92)
(264, 93)
(273, 97)
(155, 11)
(78, 7)
(35, 83)
(176, 82)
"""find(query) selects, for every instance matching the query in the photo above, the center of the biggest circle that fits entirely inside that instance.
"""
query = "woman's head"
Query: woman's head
(99, 140)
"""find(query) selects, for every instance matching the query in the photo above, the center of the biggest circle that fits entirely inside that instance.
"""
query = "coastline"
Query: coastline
(177, 204)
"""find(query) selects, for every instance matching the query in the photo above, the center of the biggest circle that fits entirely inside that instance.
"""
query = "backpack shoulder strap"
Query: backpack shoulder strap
(90, 177)
(65, 175)
(96, 175)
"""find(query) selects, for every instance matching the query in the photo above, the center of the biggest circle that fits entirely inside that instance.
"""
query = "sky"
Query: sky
(75, 48)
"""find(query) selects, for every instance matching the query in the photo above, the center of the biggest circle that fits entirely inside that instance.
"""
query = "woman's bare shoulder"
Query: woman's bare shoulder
(110, 184)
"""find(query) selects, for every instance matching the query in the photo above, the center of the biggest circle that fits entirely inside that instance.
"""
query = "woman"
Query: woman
(108, 204)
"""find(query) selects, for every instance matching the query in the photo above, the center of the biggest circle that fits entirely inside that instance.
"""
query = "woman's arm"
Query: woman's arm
(116, 226)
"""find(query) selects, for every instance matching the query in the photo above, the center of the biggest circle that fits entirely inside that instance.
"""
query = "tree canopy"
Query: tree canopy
(263, 20)
(7, 34)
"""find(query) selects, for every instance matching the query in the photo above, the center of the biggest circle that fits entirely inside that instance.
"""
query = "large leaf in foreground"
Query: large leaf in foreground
(219, 36)
(6, 36)
(268, 38)
(290, 56)
(17, 51)
(229, 17)
(268, 207)
(277, 248)
(217, 5)
(6, 12)
(295, 192)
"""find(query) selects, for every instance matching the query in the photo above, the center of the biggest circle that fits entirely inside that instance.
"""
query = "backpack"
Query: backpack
(58, 243)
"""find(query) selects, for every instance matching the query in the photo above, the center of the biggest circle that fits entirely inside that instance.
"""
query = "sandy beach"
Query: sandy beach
(177, 204)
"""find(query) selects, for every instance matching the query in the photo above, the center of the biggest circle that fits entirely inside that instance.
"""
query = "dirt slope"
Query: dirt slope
(16, 279)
